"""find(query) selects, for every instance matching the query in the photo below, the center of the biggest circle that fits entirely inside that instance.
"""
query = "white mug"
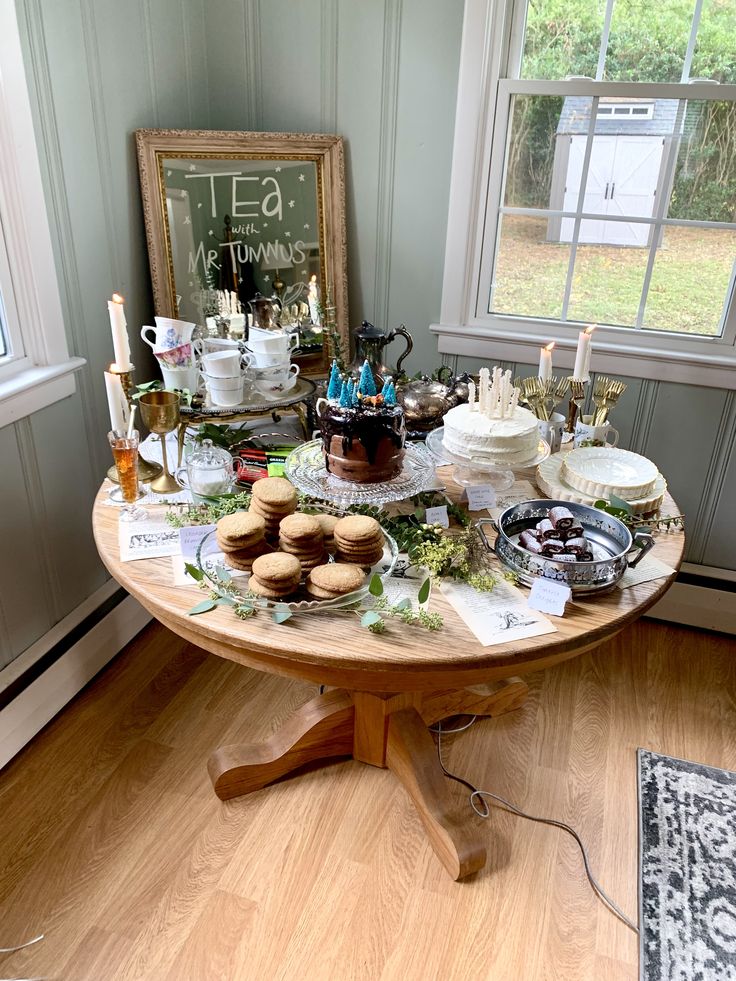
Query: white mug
(225, 391)
(168, 333)
(589, 435)
(223, 364)
(551, 431)
(180, 378)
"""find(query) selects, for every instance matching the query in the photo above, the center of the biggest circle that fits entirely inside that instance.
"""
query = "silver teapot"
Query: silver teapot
(425, 401)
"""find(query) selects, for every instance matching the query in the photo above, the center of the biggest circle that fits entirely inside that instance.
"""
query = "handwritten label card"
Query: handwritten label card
(437, 516)
(481, 496)
(549, 596)
(522, 491)
(190, 537)
(498, 617)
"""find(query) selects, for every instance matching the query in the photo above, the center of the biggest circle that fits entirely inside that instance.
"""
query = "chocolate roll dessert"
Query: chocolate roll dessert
(574, 531)
(561, 517)
(529, 541)
(547, 530)
(577, 546)
(552, 547)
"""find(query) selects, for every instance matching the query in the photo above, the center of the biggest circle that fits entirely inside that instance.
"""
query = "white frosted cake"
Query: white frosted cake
(473, 435)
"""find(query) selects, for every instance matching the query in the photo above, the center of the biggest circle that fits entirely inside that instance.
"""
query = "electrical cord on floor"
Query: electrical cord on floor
(480, 795)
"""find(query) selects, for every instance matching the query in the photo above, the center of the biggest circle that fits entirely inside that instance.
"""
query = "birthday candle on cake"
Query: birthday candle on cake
(484, 390)
(471, 396)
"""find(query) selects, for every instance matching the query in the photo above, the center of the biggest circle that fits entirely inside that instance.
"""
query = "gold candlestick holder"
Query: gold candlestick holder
(147, 471)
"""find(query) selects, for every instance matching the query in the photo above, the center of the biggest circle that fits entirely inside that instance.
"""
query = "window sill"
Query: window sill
(34, 388)
(715, 368)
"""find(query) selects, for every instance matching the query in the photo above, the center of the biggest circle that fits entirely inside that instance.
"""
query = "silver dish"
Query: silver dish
(610, 541)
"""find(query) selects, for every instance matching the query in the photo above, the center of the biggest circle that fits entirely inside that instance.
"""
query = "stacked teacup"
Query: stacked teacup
(176, 352)
(275, 375)
(226, 375)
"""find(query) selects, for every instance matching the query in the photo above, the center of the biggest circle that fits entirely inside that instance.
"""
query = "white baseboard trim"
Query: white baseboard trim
(697, 606)
(37, 704)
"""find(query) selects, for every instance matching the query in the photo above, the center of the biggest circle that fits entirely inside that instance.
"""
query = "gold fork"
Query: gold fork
(607, 398)
(577, 399)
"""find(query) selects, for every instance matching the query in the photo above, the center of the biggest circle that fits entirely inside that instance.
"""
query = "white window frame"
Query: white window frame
(492, 30)
(40, 369)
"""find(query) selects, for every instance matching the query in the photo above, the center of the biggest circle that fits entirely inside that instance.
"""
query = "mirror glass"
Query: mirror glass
(245, 225)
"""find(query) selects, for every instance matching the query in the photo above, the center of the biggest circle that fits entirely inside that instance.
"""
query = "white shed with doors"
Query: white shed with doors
(625, 172)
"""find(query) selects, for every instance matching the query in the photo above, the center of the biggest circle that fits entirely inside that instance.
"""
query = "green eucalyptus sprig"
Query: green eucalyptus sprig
(622, 510)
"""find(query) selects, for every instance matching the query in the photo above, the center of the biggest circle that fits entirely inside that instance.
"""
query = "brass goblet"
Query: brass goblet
(160, 413)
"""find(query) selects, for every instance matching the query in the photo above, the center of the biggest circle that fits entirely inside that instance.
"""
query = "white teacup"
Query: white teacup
(269, 359)
(180, 378)
(278, 373)
(269, 342)
(551, 431)
(168, 333)
(225, 364)
(273, 385)
(225, 391)
(589, 435)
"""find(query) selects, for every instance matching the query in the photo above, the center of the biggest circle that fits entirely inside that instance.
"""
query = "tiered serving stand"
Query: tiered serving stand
(468, 473)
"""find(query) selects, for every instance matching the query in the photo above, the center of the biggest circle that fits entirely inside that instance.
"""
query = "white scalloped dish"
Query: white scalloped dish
(551, 482)
(601, 471)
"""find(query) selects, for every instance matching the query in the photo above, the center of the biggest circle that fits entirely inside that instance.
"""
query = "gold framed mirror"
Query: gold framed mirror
(233, 216)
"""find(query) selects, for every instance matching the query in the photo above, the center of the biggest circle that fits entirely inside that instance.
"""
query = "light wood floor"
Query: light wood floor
(113, 845)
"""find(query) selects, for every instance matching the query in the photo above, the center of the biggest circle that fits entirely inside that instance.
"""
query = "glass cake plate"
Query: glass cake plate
(471, 472)
(232, 585)
(305, 468)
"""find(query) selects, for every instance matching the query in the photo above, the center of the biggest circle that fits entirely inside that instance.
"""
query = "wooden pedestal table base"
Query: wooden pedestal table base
(387, 730)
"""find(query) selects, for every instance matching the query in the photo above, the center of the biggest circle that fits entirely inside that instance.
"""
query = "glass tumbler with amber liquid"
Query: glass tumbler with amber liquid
(125, 453)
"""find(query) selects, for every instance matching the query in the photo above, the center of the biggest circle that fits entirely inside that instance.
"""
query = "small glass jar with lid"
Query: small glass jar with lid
(209, 471)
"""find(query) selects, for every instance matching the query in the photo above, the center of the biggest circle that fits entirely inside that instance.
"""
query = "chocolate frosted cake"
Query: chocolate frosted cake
(363, 430)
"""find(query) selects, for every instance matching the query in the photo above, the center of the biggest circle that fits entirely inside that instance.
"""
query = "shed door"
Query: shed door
(622, 180)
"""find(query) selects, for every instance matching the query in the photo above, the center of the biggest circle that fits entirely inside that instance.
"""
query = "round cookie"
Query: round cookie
(278, 568)
(327, 523)
(243, 560)
(337, 578)
(275, 492)
(357, 528)
(298, 527)
(240, 528)
(268, 590)
(320, 593)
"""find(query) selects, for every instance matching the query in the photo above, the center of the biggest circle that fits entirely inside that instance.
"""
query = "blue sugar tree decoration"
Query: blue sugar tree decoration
(335, 386)
(345, 395)
(389, 396)
(386, 383)
(366, 385)
(354, 393)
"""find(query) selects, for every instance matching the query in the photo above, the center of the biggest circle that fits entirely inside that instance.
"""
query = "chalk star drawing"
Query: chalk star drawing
(304, 272)
(292, 203)
(187, 220)
(168, 173)
(192, 166)
(240, 279)
(278, 170)
(265, 224)
(199, 205)
(267, 278)
(302, 178)
(306, 225)
(191, 283)
(287, 234)
(210, 232)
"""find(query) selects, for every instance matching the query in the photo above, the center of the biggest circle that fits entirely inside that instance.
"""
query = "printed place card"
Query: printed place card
(481, 496)
(649, 569)
(549, 596)
(437, 516)
(523, 490)
(147, 540)
(498, 617)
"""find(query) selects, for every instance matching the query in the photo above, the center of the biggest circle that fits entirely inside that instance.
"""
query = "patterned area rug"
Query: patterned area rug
(687, 877)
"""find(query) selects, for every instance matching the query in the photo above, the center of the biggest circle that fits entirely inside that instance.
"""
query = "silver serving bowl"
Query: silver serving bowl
(610, 542)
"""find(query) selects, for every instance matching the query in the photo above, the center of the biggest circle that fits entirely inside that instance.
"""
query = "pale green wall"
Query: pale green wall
(380, 72)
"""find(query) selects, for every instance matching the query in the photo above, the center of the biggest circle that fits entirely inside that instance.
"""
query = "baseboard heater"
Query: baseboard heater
(38, 684)
(701, 596)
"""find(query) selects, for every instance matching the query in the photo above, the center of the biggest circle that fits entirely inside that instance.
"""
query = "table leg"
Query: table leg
(411, 756)
(321, 729)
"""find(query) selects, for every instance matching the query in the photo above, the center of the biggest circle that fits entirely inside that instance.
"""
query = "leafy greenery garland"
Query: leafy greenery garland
(636, 522)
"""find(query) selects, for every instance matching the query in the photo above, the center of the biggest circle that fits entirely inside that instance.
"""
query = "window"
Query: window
(35, 366)
(604, 175)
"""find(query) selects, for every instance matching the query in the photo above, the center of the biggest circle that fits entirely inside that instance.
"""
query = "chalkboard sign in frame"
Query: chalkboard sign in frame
(253, 163)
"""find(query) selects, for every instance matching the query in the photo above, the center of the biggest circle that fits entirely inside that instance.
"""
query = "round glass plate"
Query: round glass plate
(470, 472)
(229, 583)
(305, 468)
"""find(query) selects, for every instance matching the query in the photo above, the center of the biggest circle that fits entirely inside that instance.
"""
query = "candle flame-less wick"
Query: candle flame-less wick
(117, 298)
(590, 329)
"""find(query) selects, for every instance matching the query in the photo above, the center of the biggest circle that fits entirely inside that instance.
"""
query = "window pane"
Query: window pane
(690, 280)
(648, 40)
(562, 38)
(607, 281)
(532, 155)
(4, 345)
(715, 53)
(530, 272)
(704, 187)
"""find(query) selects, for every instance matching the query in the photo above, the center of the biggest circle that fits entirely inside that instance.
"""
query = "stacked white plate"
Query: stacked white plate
(592, 473)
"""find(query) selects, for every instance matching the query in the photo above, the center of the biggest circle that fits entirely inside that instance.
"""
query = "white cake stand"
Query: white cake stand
(471, 472)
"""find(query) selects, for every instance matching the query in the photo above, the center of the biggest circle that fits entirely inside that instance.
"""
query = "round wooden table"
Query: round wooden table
(383, 690)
